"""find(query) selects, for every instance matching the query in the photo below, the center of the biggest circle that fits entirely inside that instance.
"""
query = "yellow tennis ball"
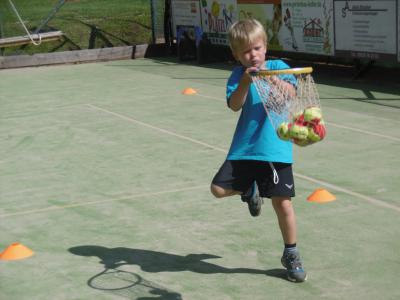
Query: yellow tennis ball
(299, 132)
(298, 116)
(302, 143)
(312, 114)
(283, 131)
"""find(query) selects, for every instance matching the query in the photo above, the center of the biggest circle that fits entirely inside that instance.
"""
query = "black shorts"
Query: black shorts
(239, 175)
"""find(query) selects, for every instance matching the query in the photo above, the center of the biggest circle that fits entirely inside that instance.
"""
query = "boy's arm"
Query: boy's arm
(284, 85)
(287, 82)
(238, 97)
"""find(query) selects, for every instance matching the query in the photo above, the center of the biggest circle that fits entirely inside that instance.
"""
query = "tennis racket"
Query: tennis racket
(291, 100)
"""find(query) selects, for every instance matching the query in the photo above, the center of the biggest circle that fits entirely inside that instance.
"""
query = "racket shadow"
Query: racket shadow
(130, 285)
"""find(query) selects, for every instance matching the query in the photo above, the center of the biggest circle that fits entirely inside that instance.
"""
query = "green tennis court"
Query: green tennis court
(105, 173)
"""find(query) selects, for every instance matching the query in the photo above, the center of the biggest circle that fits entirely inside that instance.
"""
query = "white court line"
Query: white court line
(23, 113)
(331, 124)
(80, 204)
(211, 97)
(361, 114)
(393, 138)
(371, 200)
(154, 127)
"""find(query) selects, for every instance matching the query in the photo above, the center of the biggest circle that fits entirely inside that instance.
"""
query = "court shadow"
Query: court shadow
(154, 261)
(114, 279)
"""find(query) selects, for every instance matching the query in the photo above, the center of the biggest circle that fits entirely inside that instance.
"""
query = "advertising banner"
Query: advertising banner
(185, 13)
(216, 17)
(366, 29)
(269, 13)
(308, 26)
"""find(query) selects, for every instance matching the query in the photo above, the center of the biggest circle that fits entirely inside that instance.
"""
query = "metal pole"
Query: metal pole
(153, 20)
(1, 32)
(50, 16)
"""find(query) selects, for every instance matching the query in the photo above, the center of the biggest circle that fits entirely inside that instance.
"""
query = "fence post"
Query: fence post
(153, 20)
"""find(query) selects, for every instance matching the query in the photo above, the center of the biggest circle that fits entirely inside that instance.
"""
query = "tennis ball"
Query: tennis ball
(320, 130)
(302, 143)
(283, 131)
(312, 113)
(299, 132)
(316, 132)
(312, 135)
(298, 117)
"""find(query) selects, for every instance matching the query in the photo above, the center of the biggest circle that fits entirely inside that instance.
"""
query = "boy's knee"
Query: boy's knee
(283, 205)
(217, 191)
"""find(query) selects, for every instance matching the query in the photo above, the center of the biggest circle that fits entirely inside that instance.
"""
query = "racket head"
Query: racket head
(293, 71)
(114, 280)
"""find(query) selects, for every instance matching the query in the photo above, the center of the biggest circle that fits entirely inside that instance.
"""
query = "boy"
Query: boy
(259, 164)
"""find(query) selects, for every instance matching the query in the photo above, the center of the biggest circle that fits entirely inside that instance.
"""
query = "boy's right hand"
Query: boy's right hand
(246, 77)
(238, 97)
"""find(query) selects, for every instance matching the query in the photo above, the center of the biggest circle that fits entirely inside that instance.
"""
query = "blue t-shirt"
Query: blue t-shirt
(255, 138)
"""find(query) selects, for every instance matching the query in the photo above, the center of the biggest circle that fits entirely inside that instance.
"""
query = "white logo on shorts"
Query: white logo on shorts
(289, 186)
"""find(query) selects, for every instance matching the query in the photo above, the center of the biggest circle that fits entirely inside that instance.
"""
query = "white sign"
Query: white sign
(308, 26)
(185, 13)
(217, 16)
(366, 26)
(269, 13)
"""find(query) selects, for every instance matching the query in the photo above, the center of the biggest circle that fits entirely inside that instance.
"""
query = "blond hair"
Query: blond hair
(245, 32)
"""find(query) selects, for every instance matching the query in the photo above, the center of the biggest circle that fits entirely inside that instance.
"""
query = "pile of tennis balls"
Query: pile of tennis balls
(307, 127)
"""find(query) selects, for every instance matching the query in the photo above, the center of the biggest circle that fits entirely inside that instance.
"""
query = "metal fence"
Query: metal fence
(43, 26)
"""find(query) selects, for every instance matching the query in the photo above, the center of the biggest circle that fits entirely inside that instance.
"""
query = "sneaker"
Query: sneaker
(253, 199)
(292, 262)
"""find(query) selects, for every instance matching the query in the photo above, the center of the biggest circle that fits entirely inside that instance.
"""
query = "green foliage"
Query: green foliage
(85, 23)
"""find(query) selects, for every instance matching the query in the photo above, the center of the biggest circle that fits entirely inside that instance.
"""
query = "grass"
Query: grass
(117, 23)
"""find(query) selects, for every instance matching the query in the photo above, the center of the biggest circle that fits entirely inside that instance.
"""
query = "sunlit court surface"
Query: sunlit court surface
(105, 174)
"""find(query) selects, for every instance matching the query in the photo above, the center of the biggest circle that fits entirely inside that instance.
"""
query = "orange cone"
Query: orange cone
(189, 91)
(15, 251)
(321, 196)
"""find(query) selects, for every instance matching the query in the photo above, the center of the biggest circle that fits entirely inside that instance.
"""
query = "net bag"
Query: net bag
(291, 101)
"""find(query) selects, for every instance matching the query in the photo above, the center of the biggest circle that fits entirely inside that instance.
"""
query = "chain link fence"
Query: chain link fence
(34, 26)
